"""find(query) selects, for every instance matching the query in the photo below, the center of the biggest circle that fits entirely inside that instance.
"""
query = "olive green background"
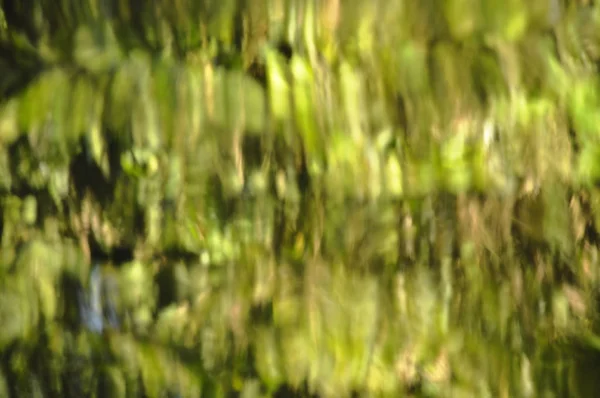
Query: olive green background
(291, 198)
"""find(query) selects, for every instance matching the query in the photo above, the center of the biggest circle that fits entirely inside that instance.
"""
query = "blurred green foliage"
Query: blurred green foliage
(291, 197)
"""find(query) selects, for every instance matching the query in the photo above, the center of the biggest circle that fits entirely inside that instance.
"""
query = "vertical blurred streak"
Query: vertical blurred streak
(93, 313)
(293, 22)
(309, 30)
(95, 289)
(90, 306)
